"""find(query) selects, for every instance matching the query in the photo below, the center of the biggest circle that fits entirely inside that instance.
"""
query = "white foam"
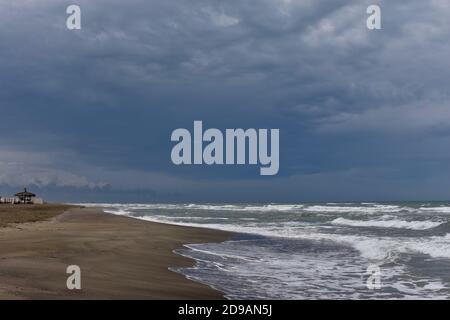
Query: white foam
(301, 275)
(191, 217)
(118, 212)
(437, 209)
(385, 248)
(354, 209)
(210, 207)
(400, 224)
(250, 208)
(363, 208)
(220, 254)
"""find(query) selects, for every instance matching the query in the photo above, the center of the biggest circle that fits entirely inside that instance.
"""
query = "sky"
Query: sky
(86, 115)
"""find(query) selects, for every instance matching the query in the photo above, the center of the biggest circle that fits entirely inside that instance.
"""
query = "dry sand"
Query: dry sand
(119, 257)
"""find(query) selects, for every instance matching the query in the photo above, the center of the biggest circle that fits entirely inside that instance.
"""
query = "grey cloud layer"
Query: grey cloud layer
(347, 100)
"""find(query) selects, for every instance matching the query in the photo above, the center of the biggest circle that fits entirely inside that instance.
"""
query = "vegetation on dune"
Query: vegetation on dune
(13, 214)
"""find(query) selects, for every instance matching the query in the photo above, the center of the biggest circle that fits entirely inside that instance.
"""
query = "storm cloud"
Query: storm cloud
(363, 114)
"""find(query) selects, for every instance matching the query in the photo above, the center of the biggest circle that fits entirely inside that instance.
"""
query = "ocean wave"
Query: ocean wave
(193, 206)
(192, 218)
(400, 224)
(373, 248)
(253, 208)
(436, 209)
(329, 208)
(370, 247)
(382, 248)
(356, 209)
(133, 206)
(250, 208)
(118, 212)
(197, 248)
(300, 274)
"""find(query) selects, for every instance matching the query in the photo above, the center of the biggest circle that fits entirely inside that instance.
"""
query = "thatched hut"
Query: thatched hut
(25, 196)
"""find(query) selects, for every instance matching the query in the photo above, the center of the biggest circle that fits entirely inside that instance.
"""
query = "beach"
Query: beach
(120, 257)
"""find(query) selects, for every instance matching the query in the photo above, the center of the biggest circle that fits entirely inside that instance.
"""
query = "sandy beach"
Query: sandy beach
(119, 257)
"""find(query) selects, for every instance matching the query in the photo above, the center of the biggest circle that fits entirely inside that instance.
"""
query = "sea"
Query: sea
(354, 250)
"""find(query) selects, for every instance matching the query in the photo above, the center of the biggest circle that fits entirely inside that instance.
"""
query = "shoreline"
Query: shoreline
(120, 258)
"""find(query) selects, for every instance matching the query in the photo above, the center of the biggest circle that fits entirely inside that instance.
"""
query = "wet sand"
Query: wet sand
(119, 257)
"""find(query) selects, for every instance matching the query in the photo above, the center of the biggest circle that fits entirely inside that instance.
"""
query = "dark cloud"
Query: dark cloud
(363, 114)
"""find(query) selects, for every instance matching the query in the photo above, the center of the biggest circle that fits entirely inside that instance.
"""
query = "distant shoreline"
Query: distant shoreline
(120, 258)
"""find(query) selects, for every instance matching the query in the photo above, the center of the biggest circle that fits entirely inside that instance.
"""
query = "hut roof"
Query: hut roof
(25, 193)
